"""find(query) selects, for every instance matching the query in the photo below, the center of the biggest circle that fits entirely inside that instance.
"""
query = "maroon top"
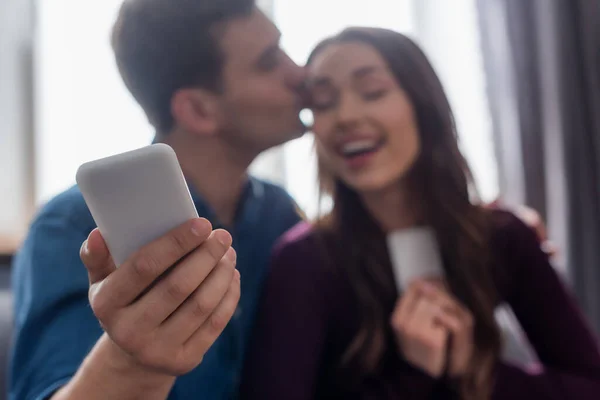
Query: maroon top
(307, 319)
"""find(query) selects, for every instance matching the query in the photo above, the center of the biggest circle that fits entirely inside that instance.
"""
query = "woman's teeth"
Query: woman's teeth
(358, 147)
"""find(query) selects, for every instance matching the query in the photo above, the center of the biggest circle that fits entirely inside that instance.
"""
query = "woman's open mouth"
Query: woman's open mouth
(358, 153)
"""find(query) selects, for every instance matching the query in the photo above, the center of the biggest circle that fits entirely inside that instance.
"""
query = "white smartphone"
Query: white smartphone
(415, 254)
(136, 197)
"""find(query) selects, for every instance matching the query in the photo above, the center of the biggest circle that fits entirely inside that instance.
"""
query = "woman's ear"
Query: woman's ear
(195, 110)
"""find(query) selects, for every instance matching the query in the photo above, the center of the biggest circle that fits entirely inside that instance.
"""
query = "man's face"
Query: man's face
(262, 95)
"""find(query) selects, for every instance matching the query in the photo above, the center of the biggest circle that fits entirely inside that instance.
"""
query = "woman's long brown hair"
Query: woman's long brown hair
(441, 182)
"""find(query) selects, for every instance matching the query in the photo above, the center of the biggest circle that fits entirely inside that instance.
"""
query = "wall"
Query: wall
(16, 181)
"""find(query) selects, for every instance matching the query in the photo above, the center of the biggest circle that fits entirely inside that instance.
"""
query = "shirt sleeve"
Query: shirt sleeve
(54, 325)
(285, 352)
(566, 347)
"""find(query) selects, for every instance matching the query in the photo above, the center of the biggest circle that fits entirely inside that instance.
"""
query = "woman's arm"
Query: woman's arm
(565, 345)
(285, 353)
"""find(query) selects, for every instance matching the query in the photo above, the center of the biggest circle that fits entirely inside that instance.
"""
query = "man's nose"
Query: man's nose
(296, 76)
(296, 81)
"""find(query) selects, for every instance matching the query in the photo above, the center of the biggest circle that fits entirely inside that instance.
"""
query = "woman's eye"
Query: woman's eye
(374, 95)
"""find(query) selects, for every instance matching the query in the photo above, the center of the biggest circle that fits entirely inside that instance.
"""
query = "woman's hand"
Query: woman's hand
(458, 320)
(425, 318)
(420, 337)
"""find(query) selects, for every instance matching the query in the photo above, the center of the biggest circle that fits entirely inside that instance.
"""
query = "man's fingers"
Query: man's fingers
(154, 307)
(202, 303)
(550, 248)
(96, 257)
(140, 271)
(206, 335)
(533, 219)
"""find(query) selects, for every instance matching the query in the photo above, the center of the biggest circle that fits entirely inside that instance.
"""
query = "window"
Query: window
(84, 110)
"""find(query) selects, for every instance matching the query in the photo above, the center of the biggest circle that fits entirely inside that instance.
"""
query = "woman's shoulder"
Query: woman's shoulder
(300, 249)
(508, 231)
(516, 251)
(297, 240)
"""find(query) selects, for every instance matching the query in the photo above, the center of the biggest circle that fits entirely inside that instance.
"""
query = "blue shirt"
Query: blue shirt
(55, 327)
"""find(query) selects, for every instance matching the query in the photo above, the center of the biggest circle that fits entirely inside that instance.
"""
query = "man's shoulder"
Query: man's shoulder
(302, 254)
(271, 191)
(69, 206)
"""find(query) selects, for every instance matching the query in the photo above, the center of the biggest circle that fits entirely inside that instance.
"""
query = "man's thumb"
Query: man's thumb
(96, 257)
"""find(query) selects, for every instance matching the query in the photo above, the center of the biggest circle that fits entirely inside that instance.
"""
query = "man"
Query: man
(213, 81)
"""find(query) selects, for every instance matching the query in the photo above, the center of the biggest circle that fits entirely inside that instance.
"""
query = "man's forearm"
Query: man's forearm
(106, 374)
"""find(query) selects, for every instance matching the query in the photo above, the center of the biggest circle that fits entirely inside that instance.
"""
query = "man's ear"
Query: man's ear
(195, 110)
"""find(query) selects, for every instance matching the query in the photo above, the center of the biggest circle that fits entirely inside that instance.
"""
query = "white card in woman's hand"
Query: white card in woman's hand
(415, 254)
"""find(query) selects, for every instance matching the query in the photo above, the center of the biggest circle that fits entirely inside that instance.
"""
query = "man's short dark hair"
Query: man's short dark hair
(164, 45)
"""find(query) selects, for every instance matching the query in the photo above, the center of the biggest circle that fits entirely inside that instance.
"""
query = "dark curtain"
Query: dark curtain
(543, 70)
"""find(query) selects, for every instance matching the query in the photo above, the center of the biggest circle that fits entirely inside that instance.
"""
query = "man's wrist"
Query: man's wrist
(108, 372)
(123, 367)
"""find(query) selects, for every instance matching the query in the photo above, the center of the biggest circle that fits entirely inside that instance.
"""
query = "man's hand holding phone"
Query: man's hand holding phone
(164, 307)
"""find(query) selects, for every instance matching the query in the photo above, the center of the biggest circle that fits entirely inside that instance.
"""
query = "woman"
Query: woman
(333, 324)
